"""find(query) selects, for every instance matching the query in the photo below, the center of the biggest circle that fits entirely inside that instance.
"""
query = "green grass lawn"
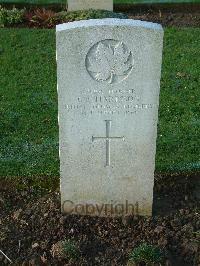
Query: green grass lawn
(28, 103)
(115, 1)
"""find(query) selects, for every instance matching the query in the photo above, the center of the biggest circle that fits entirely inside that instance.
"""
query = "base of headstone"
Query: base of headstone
(105, 209)
(75, 5)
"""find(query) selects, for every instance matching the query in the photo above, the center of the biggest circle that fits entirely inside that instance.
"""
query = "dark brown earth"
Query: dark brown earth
(179, 15)
(31, 224)
(178, 19)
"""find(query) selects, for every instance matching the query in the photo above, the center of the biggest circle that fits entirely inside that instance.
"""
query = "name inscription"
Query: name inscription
(113, 102)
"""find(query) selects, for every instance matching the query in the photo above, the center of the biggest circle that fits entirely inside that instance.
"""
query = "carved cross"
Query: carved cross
(107, 138)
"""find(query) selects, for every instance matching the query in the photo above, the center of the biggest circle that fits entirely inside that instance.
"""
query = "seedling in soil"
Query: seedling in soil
(65, 249)
(146, 255)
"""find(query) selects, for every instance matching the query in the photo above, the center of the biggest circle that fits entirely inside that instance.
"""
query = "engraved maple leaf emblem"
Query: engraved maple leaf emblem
(110, 61)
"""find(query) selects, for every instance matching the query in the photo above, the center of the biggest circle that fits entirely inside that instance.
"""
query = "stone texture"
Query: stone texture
(74, 5)
(108, 93)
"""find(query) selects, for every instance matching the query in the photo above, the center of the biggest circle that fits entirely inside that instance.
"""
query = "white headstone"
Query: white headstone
(74, 5)
(108, 93)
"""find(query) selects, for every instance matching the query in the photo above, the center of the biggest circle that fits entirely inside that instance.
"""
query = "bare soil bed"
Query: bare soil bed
(178, 19)
(31, 224)
(179, 15)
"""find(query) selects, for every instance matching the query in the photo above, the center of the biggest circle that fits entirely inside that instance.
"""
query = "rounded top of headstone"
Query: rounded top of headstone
(108, 22)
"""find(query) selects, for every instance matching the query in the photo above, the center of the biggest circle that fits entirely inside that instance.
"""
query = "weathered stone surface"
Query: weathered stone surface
(108, 91)
(74, 5)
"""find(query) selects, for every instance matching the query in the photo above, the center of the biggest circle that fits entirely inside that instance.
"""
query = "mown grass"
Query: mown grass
(28, 109)
(28, 103)
(179, 116)
(63, 2)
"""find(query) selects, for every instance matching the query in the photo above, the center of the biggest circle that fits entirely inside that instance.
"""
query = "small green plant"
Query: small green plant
(10, 17)
(197, 233)
(65, 249)
(146, 254)
(70, 249)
